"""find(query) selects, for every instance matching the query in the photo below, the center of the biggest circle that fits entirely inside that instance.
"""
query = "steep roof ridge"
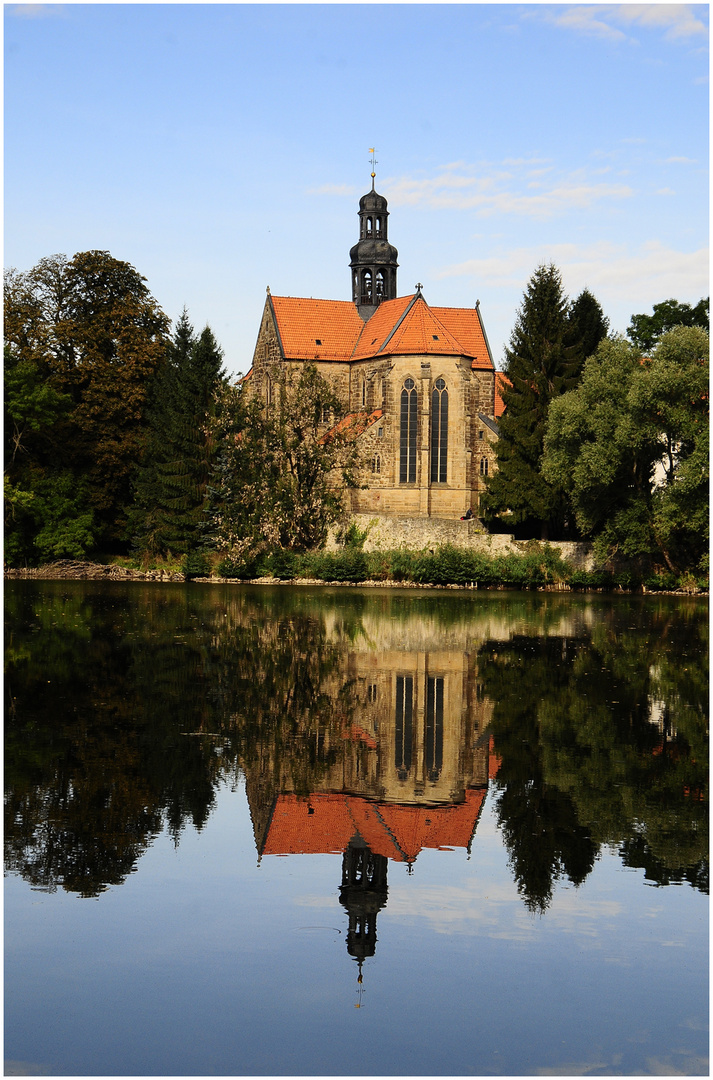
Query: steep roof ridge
(275, 323)
(373, 349)
(444, 330)
(485, 335)
(420, 322)
(416, 297)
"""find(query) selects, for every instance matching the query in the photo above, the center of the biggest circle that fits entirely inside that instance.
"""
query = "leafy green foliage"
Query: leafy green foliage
(83, 340)
(646, 330)
(630, 447)
(279, 480)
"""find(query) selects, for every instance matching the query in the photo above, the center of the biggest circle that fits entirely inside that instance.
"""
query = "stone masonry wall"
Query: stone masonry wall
(416, 534)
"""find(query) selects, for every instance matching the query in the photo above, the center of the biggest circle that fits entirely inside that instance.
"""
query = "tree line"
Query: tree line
(123, 435)
(605, 437)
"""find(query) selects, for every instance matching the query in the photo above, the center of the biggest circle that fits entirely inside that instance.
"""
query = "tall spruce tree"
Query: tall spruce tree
(171, 483)
(541, 363)
(588, 326)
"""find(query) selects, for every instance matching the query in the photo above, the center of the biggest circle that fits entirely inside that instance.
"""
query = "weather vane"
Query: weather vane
(374, 163)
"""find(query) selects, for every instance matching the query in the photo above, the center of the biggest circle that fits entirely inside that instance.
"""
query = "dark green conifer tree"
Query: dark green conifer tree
(171, 483)
(541, 363)
(587, 327)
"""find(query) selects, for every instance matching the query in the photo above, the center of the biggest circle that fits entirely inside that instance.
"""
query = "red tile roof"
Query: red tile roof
(501, 381)
(316, 329)
(323, 823)
(380, 325)
(465, 325)
(333, 330)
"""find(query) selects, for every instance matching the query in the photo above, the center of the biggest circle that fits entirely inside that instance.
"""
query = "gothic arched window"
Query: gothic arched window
(404, 725)
(376, 464)
(407, 442)
(484, 466)
(380, 285)
(439, 433)
(434, 727)
(366, 287)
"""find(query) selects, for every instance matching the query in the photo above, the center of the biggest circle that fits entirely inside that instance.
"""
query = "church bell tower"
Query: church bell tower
(373, 260)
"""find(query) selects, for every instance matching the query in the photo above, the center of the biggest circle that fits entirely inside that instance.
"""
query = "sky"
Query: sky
(222, 148)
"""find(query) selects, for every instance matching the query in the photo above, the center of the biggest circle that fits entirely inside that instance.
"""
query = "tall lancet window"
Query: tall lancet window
(403, 744)
(380, 285)
(407, 447)
(439, 433)
(434, 728)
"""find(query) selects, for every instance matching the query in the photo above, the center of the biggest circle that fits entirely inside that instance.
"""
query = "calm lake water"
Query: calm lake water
(297, 831)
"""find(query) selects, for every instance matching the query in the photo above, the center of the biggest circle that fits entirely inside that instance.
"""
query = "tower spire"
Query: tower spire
(374, 163)
(373, 260)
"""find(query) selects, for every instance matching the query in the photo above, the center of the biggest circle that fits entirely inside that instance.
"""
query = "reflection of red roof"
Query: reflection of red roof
(323, 823)
(493, 760)
(333, 330)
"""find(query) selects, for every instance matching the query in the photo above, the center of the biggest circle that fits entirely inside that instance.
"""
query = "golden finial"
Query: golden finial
(374, 163)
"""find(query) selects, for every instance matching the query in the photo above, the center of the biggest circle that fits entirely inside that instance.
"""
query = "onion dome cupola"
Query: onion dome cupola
(373, 260)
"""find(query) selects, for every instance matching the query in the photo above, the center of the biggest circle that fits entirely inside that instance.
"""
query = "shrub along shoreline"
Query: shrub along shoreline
(540, 567)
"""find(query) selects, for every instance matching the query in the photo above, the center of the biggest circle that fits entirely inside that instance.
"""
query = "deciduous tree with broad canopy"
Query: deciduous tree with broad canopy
(280, 480)
(630, 448)
(84, 338)
(645, 330)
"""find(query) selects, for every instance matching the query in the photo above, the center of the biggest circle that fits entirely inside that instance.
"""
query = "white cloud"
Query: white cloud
(496, 910)
(653, 271)
(36, 11)
(598, 20)
(586, 20)
(491, 190)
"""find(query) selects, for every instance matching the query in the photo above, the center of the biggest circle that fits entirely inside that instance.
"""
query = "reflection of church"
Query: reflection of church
(406, 768)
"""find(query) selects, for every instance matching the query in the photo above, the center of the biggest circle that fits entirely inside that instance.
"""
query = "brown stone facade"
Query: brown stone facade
(467, 436)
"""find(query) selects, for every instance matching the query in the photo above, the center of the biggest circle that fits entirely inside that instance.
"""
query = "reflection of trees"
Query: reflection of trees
(603, 741)
(127, 706)
(95, 764)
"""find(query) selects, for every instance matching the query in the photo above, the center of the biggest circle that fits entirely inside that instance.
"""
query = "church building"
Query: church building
(418, 381)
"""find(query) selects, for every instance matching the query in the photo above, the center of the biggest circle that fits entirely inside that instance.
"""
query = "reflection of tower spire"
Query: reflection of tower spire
(363, 893)
(360, 983)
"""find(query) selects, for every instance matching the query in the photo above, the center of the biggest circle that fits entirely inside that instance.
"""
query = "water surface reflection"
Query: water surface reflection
(367, 724)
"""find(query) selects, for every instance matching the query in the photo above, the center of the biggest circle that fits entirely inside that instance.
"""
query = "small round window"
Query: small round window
(440, 385)
(409, 384)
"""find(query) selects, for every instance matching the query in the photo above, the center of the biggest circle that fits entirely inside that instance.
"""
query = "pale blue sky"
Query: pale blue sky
(222, 148)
